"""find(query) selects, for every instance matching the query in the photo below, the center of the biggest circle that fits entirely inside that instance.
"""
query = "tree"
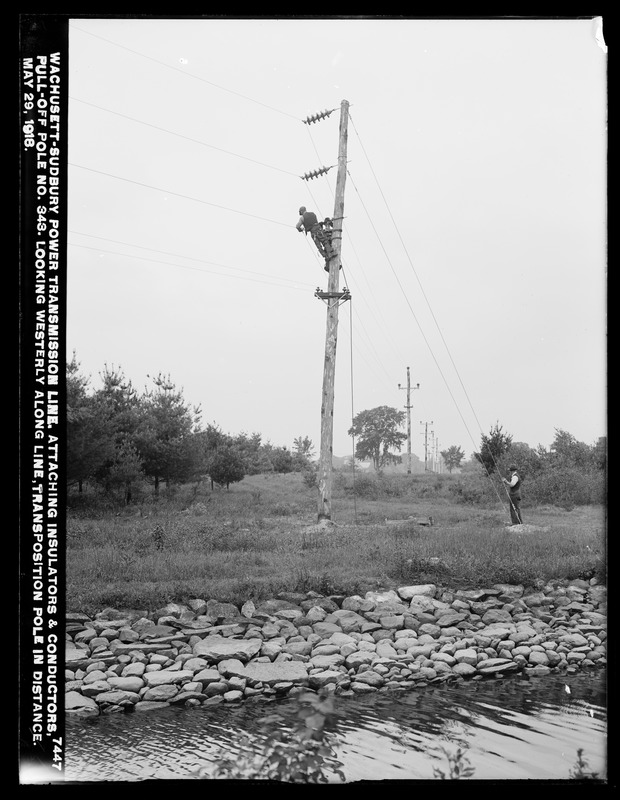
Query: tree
(90, 443)
(568, 452)
(125, 470)
(524, 457)
(303, 453)
(452, 457)
(376, 431)
(164, 437)
(226, 466)
(493, 447)
(281, 458)
(118, 402)
(250, 448)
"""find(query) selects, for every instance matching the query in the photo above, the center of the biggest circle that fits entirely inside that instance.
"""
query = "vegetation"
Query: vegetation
(118, 440)
(162, 509)
(493, 447)
(260, 538)
(303, 753)
(452, 457)
(376, 431)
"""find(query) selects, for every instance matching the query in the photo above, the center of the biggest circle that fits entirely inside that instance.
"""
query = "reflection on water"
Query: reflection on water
(513, 728)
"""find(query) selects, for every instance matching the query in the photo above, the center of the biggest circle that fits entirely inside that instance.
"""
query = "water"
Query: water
(510, 729)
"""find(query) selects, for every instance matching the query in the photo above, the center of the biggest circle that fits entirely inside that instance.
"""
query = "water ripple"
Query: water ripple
(509, 729)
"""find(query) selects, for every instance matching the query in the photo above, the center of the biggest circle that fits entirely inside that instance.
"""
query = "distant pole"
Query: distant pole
(426, 424)
(331, 333)
(408, 407)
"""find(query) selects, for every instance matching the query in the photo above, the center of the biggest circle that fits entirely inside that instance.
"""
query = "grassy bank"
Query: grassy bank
(257, 539)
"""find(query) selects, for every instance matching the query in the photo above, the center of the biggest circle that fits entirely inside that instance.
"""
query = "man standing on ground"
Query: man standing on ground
(514, 495)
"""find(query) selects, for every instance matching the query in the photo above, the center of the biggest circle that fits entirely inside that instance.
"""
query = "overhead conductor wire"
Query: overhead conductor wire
(431, 311)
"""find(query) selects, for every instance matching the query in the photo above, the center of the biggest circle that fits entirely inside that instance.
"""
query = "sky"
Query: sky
(474, 240)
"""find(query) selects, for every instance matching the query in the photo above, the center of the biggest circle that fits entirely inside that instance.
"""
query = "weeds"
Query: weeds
(202, 547)
(581, 771)
(302, 754)
(459, 766)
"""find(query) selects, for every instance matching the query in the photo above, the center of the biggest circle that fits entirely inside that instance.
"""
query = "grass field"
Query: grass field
(259, 538)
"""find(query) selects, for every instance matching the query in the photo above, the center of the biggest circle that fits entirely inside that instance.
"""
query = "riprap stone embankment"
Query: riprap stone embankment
(212, 652)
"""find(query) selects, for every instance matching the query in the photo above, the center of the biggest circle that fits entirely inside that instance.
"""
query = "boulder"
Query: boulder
(78, 704)
(273, 672)
(216, 648)
(424, 589)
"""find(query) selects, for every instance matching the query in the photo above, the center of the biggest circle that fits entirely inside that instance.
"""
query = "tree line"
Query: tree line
(118, 437)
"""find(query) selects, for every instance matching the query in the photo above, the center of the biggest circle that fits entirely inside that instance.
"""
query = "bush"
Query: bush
(473, 489)
(366, 486)
(566, 487)
(392, 485)
(310, 478)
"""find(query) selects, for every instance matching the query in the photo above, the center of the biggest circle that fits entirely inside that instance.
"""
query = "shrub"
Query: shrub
(310, 478)
(474, 489)
(366, 486)
(566, 487)
(392, 485)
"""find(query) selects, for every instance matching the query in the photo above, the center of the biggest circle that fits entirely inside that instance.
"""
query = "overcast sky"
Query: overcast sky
(474, 242)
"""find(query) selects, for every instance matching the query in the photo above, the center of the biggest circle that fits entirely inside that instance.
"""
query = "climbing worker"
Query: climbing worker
(308, 222)
(514, 495)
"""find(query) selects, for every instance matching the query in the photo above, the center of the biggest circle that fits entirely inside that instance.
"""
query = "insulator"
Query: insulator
(317, 117)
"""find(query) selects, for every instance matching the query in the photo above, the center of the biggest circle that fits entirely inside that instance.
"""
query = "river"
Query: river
(514, 728)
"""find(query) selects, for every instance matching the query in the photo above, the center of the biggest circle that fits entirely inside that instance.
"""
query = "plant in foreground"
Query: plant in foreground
(581, 770)
(303, 754)
(458, 766)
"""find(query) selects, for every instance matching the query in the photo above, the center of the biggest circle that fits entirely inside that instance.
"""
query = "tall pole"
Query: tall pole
(426, 424)
(331, 332)
(408, 407)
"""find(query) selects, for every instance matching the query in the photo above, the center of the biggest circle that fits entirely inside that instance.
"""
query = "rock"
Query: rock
(464, 669)
(161, 693)
(149, 705)
(270, 673)
(496, 615)
(167, 676)
(216, 648)
(129, 684)
(319, 602)
(231, 667)
(319, 680)
(450, 618)
(95, 688)
(271, 606)
(325, 629)
(117, 697)
(492, 665)
(348, 620)
(355, 660)
(78, 704)
(357, 603)
(248, 609)
(386, 640)
(408, 592)
(370, 678)
(430, 629)
(219, 612)
(383, 597)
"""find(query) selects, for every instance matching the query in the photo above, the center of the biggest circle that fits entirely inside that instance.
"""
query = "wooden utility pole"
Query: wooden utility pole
(333, 298)
(426, 424)
(408, 407)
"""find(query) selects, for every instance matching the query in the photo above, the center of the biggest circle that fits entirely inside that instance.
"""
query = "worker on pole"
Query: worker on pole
(320, 232)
